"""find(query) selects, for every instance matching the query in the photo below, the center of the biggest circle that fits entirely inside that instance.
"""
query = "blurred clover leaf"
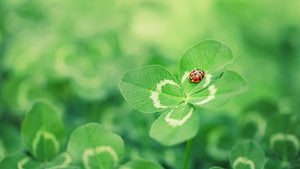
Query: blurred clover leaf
(19, 161)
(91, 146)
(86, 65)
(282, 137)
(25, 162)
(274, 163)
(2, 150)
(253, 122)
(247, 154)
(153, 89)
(43, 132)
(140, 164)
(216, 168)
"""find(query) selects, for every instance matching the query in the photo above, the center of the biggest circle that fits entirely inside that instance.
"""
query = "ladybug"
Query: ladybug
(196, 75)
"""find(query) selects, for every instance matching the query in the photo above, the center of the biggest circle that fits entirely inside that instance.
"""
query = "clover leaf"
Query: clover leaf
(175, 125)
(153, 89)
(216, 168)
(274, 163)
(86, 65)
(247, 154)
(2, 150)
(62, 161)
(19, 161)
(219, 139)
(91, 146)
(283, 138)
(211, 56)
(43, 135)
(138, 164)
(22, 161)
(43, 131)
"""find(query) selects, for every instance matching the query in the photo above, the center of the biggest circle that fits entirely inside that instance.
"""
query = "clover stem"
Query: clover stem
(187, 155)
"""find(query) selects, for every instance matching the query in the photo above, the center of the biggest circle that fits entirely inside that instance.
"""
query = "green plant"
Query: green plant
(90, 146)
(153, 89)
(280, 148)
(246, 154)
(282, 142)
(43, 132)
(73, 54)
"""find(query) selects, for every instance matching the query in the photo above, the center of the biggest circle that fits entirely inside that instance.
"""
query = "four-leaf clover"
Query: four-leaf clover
(154, 89)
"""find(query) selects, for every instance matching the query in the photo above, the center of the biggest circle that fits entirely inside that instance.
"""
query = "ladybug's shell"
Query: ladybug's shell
(196, 75)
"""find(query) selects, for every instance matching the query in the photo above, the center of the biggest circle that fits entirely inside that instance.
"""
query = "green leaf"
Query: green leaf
(67, 167)
(220, 139)
(283, 136)
(10, 133)
(43, 131)
(216, 94)
(252, 125)
(19, 162)
(210, 56)
(176, 125)
(216, 168)
(247, 154)
(151, 89)
(91, 146)
(276, 164)
(2, 149)
(141, 164)
(61, 161)
(86, 65)
(296, 164)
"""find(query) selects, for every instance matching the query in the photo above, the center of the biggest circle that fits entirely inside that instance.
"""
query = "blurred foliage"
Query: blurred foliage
(73, 53)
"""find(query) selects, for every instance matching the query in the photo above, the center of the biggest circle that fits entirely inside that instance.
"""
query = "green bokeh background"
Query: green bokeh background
(73, 53)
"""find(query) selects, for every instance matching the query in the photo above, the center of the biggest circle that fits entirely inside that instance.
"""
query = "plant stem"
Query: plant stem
(187, 154)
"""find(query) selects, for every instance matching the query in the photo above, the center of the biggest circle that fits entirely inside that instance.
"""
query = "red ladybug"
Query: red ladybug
(196, 75)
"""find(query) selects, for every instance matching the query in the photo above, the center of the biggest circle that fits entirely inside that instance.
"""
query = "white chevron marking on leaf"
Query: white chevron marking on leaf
(163, 83)
(155, 98)
(284, 137)
(258, 120)
(178, 122)
(185, 76)
(65, 163)
(47, 136)
(155, 94)
(98, 150)
(207, 80)
(212, 92)
(22, 163)
(243, 160)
